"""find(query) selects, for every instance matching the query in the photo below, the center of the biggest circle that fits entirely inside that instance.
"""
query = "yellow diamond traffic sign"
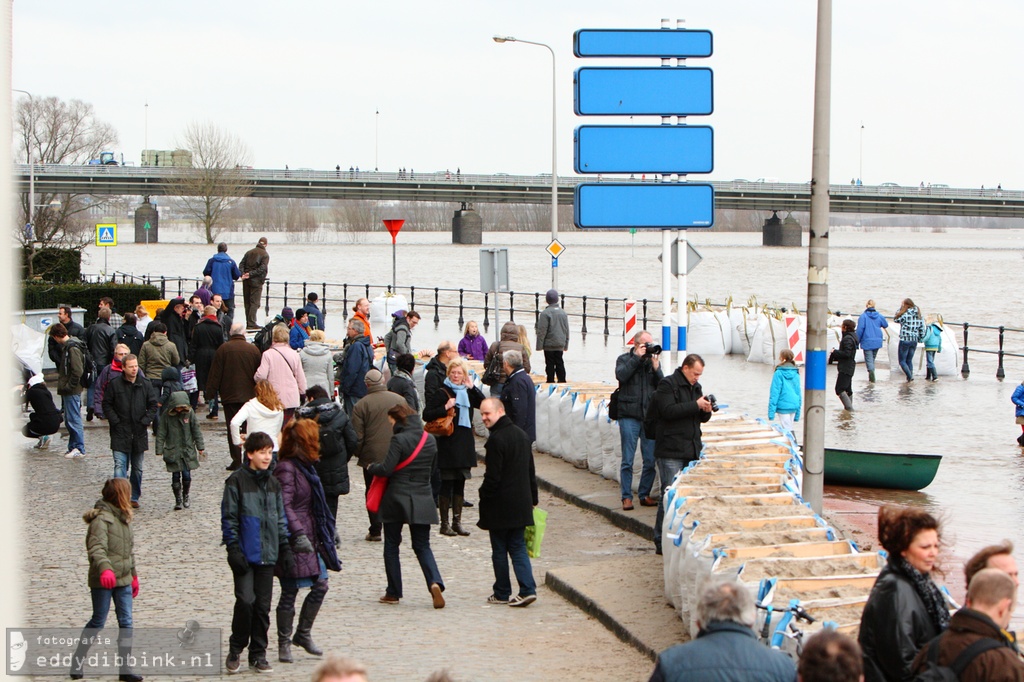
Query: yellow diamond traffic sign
(555, 248)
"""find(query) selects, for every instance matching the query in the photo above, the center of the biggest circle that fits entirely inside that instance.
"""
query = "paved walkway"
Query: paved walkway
(184, 575)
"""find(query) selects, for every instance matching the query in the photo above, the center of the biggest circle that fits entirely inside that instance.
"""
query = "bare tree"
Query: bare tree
(216, 183)
(51, 131)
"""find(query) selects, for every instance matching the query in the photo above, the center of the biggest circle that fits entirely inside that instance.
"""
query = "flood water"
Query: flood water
(962, 274)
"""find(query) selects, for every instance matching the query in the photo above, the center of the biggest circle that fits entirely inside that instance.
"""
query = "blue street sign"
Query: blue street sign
(644, 149)
(680, 43)
(639, 91)
(662, 205)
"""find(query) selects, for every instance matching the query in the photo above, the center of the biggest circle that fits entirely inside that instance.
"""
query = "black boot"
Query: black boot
(186, 485)
(176, 487)
(310, 607)
(1020, 440)
(124, 650)
(78, 659)
(89, 414)
(443, 504)
(457, 517)
(285, 618)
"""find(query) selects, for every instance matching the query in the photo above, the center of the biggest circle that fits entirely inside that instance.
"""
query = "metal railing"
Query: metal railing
(443, 303)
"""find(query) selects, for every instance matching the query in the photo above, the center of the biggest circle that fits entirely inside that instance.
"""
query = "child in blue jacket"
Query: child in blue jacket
(784, 399)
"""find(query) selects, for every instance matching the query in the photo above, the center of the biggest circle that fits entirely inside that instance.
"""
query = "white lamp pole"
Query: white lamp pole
(554, 145)
(31, 166)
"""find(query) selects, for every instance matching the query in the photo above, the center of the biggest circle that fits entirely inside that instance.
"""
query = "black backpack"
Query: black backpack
(933, 672)
(265, 336)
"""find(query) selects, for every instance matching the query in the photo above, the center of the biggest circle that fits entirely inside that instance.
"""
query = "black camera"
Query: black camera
(652, 349)
(714, 403)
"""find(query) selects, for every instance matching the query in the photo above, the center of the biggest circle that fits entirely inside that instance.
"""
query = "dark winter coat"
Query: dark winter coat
(110, 544)
(176, 333)
(170, 382)
(106, 375)
(207, 337)
(846, 355)
(178, 437)
(678, 418)
(966, 627)
(316, 318)
(357, 362)
(402, 384)
(370, 421)
(509, 491)
(232, 370)
(221, 267)
(130, 408)
(520, 400)
(457, 451)
(129, 335)
(638, 380)
(509, 340)
(256, 262)
(408, 498)
(306, 517)
(553, 329)
(434, 374)
(54, 349)
(45, 418)
(101, 338)
(893, 628)
(252, 515)
(723, 651)
(337, 443)
(71, 367)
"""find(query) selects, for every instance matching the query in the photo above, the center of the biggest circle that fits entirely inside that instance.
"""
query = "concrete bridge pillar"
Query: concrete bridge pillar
(778, 232)
(146, 216)
(467, 226)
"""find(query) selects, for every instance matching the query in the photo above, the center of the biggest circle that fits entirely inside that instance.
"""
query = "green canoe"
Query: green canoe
(879, 469)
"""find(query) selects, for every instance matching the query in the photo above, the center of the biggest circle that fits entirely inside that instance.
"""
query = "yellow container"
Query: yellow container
(152, 306)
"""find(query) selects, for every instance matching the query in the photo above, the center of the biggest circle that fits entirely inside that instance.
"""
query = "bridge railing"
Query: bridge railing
(597, 314)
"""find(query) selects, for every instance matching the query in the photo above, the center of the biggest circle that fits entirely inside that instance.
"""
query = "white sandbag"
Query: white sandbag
(610, 444)
(708, 332)
(947, 360)
(743, 322)
(565, 403)
(381, 309)
(592, 438)
(769, 340)
(576, 446)
(541, 421)
(554, 420)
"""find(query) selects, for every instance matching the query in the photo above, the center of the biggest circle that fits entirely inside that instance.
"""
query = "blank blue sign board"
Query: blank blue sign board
(639, 91)
(644, 149)
(653, 42)
(659, 205)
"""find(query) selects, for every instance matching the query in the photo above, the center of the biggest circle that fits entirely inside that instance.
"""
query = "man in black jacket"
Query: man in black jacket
(507, 498)
(54, 349)
(519, 398)
(678, 409)
(638, 373)
(130, 406)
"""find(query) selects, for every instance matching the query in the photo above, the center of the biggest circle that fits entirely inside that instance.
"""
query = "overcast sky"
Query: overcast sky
(936, 84)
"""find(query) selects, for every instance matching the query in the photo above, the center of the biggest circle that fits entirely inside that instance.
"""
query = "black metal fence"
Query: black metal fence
(599, 313)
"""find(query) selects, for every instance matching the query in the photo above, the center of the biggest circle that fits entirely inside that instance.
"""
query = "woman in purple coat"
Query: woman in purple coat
(311, 536)
(473, 345)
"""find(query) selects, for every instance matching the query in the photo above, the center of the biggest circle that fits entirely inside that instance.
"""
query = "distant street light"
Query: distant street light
(860, 168)
(554, 147)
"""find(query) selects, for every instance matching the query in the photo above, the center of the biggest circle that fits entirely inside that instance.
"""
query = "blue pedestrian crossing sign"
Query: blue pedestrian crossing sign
(106, 234)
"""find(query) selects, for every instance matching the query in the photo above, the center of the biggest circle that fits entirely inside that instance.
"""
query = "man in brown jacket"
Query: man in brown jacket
(990, 601)
(374, 431)
(231, 377)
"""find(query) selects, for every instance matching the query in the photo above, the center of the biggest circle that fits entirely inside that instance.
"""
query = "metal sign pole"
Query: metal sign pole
(666, 292)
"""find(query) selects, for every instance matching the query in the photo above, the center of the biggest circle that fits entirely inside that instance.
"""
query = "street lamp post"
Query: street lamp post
(860, 167)
(31, 166)
(554, 147)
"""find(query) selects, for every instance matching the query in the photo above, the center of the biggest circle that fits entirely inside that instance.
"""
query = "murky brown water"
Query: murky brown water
(967, 275)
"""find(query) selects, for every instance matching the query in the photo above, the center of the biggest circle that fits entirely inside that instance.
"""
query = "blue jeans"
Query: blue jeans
(667, 470)
(101, 597)
(90, 394)
(72, 406)
(929, 358)
(121, 461)
(509, 543)
(420, 533)
(869, 358)
(906, 354)
(629, 431)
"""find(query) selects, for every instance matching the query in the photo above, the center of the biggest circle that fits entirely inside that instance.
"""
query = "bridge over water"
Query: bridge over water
(460, 188)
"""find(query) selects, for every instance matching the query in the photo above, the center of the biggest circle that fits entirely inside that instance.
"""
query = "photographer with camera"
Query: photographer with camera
(638, 372)
(675, 415)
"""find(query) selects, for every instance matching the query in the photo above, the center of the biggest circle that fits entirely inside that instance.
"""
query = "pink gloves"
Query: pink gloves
(108, 580)
(135, 586)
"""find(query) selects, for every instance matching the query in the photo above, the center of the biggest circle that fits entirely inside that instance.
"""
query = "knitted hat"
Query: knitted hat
(262, 241)
(551, 297)
(374, 378)
(287, 314)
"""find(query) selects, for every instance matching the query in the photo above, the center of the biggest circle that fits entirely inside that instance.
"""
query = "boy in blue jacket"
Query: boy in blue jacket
(255, 532)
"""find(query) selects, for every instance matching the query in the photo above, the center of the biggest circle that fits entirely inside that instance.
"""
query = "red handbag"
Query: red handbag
(375, 493)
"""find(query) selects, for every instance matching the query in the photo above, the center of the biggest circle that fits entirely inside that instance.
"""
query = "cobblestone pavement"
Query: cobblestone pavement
(184, 575)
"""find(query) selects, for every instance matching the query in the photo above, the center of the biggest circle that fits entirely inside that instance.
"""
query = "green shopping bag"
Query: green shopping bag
(535, 533)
